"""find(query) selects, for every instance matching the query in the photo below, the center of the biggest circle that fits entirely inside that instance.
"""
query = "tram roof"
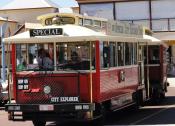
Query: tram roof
(155, 41)
(71, 33)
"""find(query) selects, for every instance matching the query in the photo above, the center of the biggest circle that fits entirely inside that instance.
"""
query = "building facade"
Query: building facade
(27, 11)
(157, 15)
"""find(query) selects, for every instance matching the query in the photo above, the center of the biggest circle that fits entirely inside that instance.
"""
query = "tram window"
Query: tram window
(21, 57)
(165, 55)
(145, 55)
(104, 25)
(33, 59)
(112, 46)
(134, 53)
(48, 21)
(59, 20)
(120, 47)
(97, 23)
(101, 55)
(128, 53)
(154, 55)
(75, 56)
(81, 21)
(88, 22)
(106, 54)
(113, 28)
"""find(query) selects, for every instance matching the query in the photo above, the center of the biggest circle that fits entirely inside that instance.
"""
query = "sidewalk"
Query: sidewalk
(171, 80)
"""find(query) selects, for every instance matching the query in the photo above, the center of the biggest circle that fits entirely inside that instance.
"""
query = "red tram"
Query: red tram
(97, 66)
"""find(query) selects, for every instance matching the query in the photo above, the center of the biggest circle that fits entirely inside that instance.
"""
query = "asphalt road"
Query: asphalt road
(163, 114)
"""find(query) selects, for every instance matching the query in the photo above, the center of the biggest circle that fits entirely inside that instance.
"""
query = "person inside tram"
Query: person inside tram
(35, 60)
(21, 64)
(74, 62)
(44, 60)
(74, 57)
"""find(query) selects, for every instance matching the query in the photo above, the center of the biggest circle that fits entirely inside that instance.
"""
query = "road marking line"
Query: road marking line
(147, 117)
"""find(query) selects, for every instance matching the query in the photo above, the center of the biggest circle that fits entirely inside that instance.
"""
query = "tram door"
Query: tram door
(141, 64)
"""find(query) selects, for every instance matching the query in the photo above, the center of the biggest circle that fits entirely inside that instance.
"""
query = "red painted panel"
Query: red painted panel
(154, 73)
(111, 87)
(13, 55)
(66, 84)
(62, 85)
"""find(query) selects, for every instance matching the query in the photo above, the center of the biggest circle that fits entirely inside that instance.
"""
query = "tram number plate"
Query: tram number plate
(46, 107)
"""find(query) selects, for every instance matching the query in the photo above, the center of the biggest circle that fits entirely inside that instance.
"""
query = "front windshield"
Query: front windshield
(34, 57)
(75, 56)
(42, 57)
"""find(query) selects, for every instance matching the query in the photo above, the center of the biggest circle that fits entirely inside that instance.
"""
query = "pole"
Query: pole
(91, 98)
(3, 71)
(148, 86)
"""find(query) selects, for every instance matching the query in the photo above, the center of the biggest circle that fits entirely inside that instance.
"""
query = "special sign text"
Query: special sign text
(46, 32)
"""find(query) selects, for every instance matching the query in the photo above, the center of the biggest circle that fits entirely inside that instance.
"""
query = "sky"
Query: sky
(61, 3)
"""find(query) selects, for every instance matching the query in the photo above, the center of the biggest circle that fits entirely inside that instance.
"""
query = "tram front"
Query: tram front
(53, 76)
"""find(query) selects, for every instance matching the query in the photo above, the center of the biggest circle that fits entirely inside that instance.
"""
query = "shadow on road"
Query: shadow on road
(147, 115)
(159, 114)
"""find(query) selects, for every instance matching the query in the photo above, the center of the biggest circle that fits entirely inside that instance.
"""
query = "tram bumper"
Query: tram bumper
(49, 112)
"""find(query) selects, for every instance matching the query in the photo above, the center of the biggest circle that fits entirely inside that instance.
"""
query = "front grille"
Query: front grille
(59, 86)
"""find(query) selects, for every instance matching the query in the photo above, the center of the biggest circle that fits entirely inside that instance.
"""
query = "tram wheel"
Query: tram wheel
(100, 116)
(39, 123)
(162, 95)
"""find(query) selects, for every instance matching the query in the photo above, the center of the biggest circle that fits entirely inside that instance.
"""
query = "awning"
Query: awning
(153, 39)
(167, 37)
(71, 33)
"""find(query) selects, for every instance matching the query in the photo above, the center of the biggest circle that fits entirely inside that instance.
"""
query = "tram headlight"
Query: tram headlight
(23, 84)
(26, 81)
(47, 89)
(23, 81)
(20, 81)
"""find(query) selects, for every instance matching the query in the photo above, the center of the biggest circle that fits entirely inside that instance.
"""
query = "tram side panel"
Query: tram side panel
(118, 86)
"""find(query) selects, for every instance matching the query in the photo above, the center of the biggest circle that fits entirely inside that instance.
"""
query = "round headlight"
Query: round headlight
(47, 89)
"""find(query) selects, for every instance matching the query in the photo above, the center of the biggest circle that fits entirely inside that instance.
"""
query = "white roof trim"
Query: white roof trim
(71, 33)
(165, 36)
(153, 39)
(24, 37)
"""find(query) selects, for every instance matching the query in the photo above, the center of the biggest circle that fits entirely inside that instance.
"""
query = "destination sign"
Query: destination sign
(46, 32)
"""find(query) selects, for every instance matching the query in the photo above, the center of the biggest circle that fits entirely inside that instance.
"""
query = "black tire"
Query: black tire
(1, 103)
(101, 113)
(157, 96)
(162, 95)
(39, 123)
(5, 102)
